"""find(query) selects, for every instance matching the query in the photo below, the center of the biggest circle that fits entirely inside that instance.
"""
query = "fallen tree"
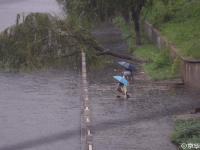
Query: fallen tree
(89, 41)
(42, 40)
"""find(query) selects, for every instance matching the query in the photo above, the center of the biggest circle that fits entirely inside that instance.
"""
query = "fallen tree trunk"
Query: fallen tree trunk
(89, 42)
(102, 51)
(114, 54)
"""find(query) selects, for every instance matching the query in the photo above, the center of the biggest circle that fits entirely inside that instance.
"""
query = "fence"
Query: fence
(190, 69)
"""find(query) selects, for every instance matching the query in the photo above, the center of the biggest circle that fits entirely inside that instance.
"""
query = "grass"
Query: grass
(179, 21)
(159, 65)
(186, 131)
(185, 37)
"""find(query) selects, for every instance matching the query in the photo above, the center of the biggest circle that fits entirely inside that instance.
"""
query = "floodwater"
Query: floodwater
(40, 111)
(10, 8)
(145, 120)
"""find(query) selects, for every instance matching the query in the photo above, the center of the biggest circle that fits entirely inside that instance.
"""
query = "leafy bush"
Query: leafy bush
(31, 43)
(180, 21)
(186, 131)
(159, 64)
(43, 41)
(161, 67)
(162, 59)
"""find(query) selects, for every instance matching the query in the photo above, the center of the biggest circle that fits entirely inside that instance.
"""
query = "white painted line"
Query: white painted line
(85, 93)
(87, 119)
(86, 98)
(90, 147)
(89, 132)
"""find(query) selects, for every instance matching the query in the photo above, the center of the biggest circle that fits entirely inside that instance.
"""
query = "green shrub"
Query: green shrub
(176, 66)
(162, 59)
(179, 21)
(43, 41)
(186, 131)
(159, 65)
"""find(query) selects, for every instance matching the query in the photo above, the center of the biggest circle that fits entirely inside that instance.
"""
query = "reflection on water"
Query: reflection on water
(40, 111)
(10, 8)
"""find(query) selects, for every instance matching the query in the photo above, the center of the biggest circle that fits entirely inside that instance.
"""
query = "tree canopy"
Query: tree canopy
(101, 10)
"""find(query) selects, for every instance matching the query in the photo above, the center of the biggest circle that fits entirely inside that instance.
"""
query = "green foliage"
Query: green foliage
(186, 131)
(159, 73)
(101, 10)
(159, 64)
(161, 11)
(128, 32)
(146, 53)
(95, 62)
(180, 21)
(162, 59)
(176, 66)
(43, 41)
(95, 11)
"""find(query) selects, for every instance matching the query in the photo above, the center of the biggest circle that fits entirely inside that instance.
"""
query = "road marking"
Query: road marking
(87, 119)
(87, 108)
(90, 147)
(86, 103)
(86, 98)
(89, 132)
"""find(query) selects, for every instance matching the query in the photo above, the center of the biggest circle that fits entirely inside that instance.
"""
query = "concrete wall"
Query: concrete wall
(190, 68)
(191, 73)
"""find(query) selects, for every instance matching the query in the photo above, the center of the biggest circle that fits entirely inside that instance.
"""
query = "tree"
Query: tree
(106, 9)
(136, 9)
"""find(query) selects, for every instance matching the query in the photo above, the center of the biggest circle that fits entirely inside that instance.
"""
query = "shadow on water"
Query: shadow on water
(41, 141)
(102, 126)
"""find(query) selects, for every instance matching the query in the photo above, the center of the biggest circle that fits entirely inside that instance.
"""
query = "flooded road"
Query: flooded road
(40, 111)
(10, 8)
(145, 120)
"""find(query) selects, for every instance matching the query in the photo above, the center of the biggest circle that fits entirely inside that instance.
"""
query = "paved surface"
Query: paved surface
(40, 111)
(144, 121)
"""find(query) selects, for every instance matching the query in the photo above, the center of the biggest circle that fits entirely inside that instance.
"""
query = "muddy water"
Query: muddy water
(10, 8)
(40, 111)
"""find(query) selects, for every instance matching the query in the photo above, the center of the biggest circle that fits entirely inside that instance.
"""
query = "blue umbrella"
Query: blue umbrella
(121, 80)
(126, 65)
